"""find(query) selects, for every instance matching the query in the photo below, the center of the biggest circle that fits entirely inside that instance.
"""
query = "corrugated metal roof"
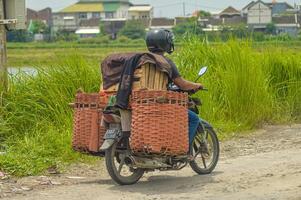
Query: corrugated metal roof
(111, 7)
(84, 7)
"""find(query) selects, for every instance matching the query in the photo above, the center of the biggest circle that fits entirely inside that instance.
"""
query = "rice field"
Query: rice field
(248, 87)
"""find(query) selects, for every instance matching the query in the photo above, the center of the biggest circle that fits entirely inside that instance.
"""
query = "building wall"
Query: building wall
(69, 22)
(44, 15)
(259, 14)
(140, 15)
(122, 12)
(290, 30)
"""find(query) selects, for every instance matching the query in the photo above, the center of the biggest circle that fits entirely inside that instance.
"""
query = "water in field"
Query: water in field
(14, 71)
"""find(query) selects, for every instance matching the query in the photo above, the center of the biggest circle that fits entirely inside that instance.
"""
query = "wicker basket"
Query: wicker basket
(159, 123)
(87, 130)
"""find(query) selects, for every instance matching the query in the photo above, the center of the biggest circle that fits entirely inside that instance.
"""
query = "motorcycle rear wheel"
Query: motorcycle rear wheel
(114, 157)
(214, 150)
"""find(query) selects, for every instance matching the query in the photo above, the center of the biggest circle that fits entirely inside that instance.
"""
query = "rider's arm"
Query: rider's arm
(186, 85)
(179, 81)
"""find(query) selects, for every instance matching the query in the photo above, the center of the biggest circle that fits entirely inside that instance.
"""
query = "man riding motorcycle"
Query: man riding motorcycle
(126, 166)
(161, 41)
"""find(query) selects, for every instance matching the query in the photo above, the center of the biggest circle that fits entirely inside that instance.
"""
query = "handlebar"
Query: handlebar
(190, 92)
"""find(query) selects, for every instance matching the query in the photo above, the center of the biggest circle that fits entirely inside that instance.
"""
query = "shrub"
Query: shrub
(133, 29)
(189, 27)
(36, 120)
(123, 39)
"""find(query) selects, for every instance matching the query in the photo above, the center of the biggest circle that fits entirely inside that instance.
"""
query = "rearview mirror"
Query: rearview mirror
(203, 71)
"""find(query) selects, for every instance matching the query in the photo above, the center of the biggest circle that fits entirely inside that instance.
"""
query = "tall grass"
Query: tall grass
(247, 88)
(36, 118)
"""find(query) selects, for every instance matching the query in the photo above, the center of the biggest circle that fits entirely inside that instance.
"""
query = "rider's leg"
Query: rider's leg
(194, 121)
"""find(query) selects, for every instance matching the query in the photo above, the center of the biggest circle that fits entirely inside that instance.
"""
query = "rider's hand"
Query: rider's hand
(198, 87)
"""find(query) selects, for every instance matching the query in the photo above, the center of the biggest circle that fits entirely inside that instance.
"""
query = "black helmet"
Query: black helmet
(160, 40)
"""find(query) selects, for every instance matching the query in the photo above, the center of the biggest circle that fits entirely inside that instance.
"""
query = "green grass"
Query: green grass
(248, 87)
(46, 56)
(36, 118)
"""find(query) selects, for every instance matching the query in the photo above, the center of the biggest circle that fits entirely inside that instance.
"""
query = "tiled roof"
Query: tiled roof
(259, 1)
(84, 7)
(279, 4)
(230, 11)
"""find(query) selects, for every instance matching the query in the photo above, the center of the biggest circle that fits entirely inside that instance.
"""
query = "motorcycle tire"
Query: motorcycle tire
(216, 150)
(113, 171)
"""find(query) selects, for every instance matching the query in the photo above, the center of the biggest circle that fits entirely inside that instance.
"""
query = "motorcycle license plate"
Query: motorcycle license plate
(112, 134)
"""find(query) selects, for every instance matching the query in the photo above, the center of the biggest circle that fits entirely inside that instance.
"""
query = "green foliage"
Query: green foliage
(190, 27)
(133, 29)
(97, 40)
(271, 28)
(203, 13)
(244, 83)
(36, 118)
(38, 26)
(102, 31)
(63, 35)
(247, 87)
(123, 39)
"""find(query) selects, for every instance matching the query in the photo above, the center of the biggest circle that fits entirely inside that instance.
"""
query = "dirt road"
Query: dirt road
(262, 165)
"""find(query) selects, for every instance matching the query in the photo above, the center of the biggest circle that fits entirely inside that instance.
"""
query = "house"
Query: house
(259, 15)
(44, 15)
(143, 11)
(277, 8)
(88, 28)
(70, 17)
(113, 26)
(280, 7)
(229, 12)
(245, 10)
(289, 24)
(217, 24)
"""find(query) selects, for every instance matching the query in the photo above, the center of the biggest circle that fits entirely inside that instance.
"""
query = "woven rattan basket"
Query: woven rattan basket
(87, 130)
(159, 123)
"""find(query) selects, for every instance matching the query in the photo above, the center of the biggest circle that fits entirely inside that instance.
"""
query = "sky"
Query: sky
(162, 8)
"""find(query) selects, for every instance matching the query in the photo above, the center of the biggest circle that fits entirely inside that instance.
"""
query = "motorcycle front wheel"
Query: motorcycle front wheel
(121, 173)
(205, 149)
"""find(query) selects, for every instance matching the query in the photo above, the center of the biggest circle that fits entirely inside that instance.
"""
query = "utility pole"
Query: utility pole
(3, 69)
(184, 9)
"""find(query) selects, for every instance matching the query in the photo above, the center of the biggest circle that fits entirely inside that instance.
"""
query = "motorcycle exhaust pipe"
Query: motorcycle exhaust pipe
(130, 161)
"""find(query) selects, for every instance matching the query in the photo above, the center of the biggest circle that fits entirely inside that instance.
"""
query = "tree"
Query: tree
(189, 27)
(203, 13)
(101, 28)
(271, 28)
(38, 26)
(133, 29)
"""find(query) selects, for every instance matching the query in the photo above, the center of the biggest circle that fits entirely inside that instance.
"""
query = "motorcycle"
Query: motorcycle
(126, 168)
